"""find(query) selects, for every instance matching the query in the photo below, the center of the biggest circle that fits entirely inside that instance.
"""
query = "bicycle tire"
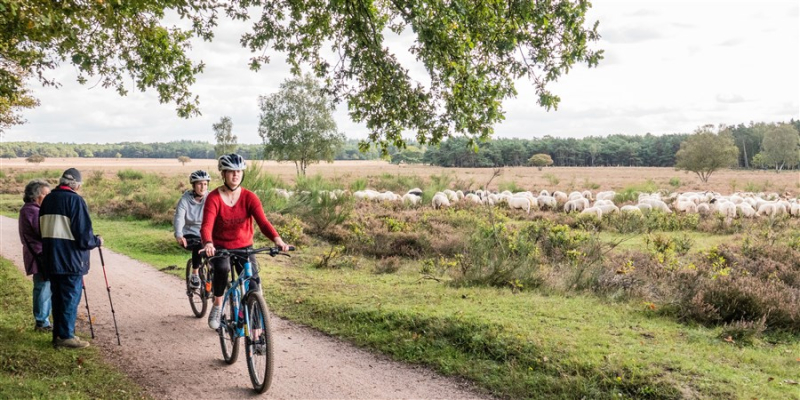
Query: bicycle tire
(260, 360)
(228, 340)
(197, 297)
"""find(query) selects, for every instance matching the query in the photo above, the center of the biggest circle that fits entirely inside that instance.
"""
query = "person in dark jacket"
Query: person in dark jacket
(67, 237)
(31, 239)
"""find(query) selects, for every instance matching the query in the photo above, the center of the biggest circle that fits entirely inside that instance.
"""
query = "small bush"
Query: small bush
(129, 175)
(388, 265)
(675, 182)
(744, 332)
(551, 179)
(511, 186)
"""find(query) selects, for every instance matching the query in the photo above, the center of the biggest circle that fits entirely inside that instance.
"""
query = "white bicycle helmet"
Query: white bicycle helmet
(231, 162)
(198, 176)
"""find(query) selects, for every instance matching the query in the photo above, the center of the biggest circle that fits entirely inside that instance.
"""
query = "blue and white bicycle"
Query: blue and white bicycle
(245, 314)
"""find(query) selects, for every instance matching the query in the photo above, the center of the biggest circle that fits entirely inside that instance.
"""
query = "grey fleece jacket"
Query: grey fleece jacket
(188, 215)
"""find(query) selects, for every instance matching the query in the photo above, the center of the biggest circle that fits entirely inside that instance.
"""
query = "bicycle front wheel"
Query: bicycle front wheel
(197, 298)
(227, 334)
(258, 345)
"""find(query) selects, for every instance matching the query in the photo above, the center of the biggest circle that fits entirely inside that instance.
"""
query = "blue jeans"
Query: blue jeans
(41, 301)
(66, 297)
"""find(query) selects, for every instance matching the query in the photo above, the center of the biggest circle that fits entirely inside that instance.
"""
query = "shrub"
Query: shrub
(675, 182)
(129, 174)
(289, 227)
(388, 265)
(35, 159)
(398, 183)
(511, 186)
(551, 179)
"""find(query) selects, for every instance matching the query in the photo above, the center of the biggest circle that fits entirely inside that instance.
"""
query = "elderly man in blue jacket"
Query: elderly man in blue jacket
(67, 237)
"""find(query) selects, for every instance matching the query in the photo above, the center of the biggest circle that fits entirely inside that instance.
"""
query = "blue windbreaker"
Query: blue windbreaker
(67, 234)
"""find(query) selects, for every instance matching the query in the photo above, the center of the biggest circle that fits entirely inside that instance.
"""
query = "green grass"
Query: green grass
(29, 366)
(636, 241)
(528, 345)
(523, 345)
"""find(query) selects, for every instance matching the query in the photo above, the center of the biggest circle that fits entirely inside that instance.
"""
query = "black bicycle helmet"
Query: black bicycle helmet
(231, 162)
(198, 176)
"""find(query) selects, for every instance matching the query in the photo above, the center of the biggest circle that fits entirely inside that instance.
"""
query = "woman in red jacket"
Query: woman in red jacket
(228, 224)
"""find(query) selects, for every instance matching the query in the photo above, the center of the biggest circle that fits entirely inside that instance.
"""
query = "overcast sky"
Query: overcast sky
(670, 66)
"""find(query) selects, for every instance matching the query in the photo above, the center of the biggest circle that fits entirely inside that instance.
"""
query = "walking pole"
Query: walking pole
(86, 297)
(108, 287)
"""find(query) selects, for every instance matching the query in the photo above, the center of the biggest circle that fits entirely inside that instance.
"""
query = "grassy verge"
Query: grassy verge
(522, 345)
(29, 366)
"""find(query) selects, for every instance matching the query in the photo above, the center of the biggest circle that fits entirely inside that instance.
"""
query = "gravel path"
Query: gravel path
(176, 356)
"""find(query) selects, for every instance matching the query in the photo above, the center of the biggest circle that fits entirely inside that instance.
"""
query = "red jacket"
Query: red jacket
(232, 227)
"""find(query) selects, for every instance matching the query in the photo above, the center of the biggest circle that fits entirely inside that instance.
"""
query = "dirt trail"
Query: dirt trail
(176, 356)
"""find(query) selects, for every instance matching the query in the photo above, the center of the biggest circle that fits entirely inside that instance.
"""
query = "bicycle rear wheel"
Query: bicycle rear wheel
(258, 344)
(197, 297)
(227, 334)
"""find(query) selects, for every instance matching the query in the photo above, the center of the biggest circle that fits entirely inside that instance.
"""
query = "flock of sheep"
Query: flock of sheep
(748, 205)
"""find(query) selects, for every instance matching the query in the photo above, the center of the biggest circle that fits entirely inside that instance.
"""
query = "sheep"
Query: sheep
(519, 203)
(606, 195)
(686, 205)
(560, 197)
(440, 200)
(412, 199)
(575, 195)
(544, 192)
(451, 195)
(704, 209)
(746, 210)
(644, 207)
(595, 211)
(415, 191)
(473, 198)
(548, 202)
(576, 204)
(587, 194)
(608, 209)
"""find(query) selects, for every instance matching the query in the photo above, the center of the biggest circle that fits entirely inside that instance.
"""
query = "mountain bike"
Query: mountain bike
(245, 314)
(198, 297)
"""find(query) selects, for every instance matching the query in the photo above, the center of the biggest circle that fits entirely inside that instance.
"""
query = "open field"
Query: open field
(530, 178)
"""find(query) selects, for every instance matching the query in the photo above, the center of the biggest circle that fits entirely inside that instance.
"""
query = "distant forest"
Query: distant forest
(614, 150)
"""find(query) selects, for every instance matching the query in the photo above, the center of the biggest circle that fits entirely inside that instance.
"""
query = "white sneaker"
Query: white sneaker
(194, 281)
(213, 317)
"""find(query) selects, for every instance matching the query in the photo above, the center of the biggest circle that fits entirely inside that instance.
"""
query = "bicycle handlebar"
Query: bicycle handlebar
(244, 253)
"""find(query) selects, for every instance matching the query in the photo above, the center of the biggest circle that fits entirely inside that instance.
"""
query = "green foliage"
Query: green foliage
(780, 147)
(51, 175)
(320, 210)
(631, 193)
(540, 160)
(358, 184)
(130, 175)
(184, 159)
(223, 134)
(398, 183)
(128, 42)
(706, 152)
(551, 179)
(297, 124)
(510, 186)
(675, 182)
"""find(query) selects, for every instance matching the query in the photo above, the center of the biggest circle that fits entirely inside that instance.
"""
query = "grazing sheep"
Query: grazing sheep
(415, 191)
(544, 192)
(575, 195)
(410, 198)
(474, 198)
(547, 202)
(560, 197)
(587, 195)
(687, 205)
(440, 200)
(595, 211)
(606, 195)
(704, 209)
(644, 207)
(576, 204)
(451, 195)
(519, 203)
(608, 209)
(746, 210)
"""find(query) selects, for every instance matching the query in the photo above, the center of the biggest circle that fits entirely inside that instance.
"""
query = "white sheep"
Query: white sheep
(519, 203)
(410, 198)
(440, 200)
(595, 211)
(547, 202)
(576, 204)
(606, 195)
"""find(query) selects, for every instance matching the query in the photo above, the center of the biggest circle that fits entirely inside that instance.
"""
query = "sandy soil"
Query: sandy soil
(176, 356)
(530, 178)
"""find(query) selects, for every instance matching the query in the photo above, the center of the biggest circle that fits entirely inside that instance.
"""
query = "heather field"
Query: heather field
(528, 178)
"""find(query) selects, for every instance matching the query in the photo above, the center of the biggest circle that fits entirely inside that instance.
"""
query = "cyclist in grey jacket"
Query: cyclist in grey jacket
(189, 217)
